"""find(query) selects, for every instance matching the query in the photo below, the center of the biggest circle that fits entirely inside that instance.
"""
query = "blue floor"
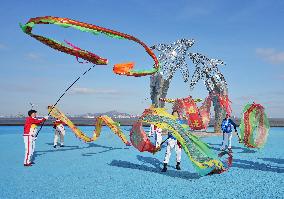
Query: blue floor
(109, 169)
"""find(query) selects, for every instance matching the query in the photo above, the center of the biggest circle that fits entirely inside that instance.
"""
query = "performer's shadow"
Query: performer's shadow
(71, 148)
(65, 148)
(107, 149)
(274, 160)
(155, 169)
(247, 164)
(217, 147)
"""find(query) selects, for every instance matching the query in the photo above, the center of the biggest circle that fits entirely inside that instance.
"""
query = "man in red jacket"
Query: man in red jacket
(30, 130)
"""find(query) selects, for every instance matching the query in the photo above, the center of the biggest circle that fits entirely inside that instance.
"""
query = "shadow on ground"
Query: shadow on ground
(155, 168)
(247, 164)
(107, 149)
(217, 147)
(274, 160)
(71, 148)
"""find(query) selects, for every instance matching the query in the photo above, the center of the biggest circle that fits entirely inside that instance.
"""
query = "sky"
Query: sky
(247, 35)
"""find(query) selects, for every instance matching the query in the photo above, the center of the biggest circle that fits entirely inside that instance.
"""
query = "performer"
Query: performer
(172, 143)
(152, 131)
(157, 132)
(227, 125)
(30, 129)
(59, 132)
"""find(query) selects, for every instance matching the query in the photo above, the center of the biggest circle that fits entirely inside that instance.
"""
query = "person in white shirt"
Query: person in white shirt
(157, 132)
(172, 143)
(59, 132)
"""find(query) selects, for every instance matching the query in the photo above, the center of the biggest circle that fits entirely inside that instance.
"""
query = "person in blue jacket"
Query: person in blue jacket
(227, 128)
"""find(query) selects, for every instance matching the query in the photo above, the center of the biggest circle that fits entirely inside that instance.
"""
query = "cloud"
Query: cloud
(281, 77)
(90, 91)
(24, 88)
(33, 56)
(275, 110)
(279, 94)
(243, 99)
(192, 11)
(2, 46)
(270, 55)
(275, 95)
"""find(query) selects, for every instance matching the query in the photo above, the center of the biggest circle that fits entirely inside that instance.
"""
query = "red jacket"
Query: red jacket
(30, 125)
(57, 122)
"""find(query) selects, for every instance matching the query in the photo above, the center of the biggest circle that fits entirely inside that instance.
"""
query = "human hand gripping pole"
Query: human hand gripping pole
(159, 147)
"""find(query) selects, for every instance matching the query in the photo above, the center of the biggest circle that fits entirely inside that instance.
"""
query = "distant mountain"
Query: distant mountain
(112, 114)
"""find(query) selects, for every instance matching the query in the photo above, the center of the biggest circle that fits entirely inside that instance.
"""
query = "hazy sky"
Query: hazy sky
(247, 35)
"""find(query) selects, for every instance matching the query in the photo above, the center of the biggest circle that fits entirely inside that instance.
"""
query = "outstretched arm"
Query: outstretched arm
(37, 121)
(234, 124)
(235, 127)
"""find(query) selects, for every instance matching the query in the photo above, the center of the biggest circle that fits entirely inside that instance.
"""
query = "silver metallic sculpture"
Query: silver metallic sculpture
(207, 70)
(171, 58)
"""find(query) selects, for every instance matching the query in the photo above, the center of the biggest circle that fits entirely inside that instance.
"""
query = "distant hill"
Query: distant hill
(112, 114)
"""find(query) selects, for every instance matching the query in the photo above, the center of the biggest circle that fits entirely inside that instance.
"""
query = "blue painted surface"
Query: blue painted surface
(109, 169)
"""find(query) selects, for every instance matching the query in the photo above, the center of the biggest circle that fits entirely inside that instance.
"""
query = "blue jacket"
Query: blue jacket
(227, 126)
(171, 136)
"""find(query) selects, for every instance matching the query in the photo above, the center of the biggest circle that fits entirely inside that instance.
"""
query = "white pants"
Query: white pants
(59, 132)
(159, 138)
(171, 144)
(152, 130)
(29, 148)
(227, 140)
